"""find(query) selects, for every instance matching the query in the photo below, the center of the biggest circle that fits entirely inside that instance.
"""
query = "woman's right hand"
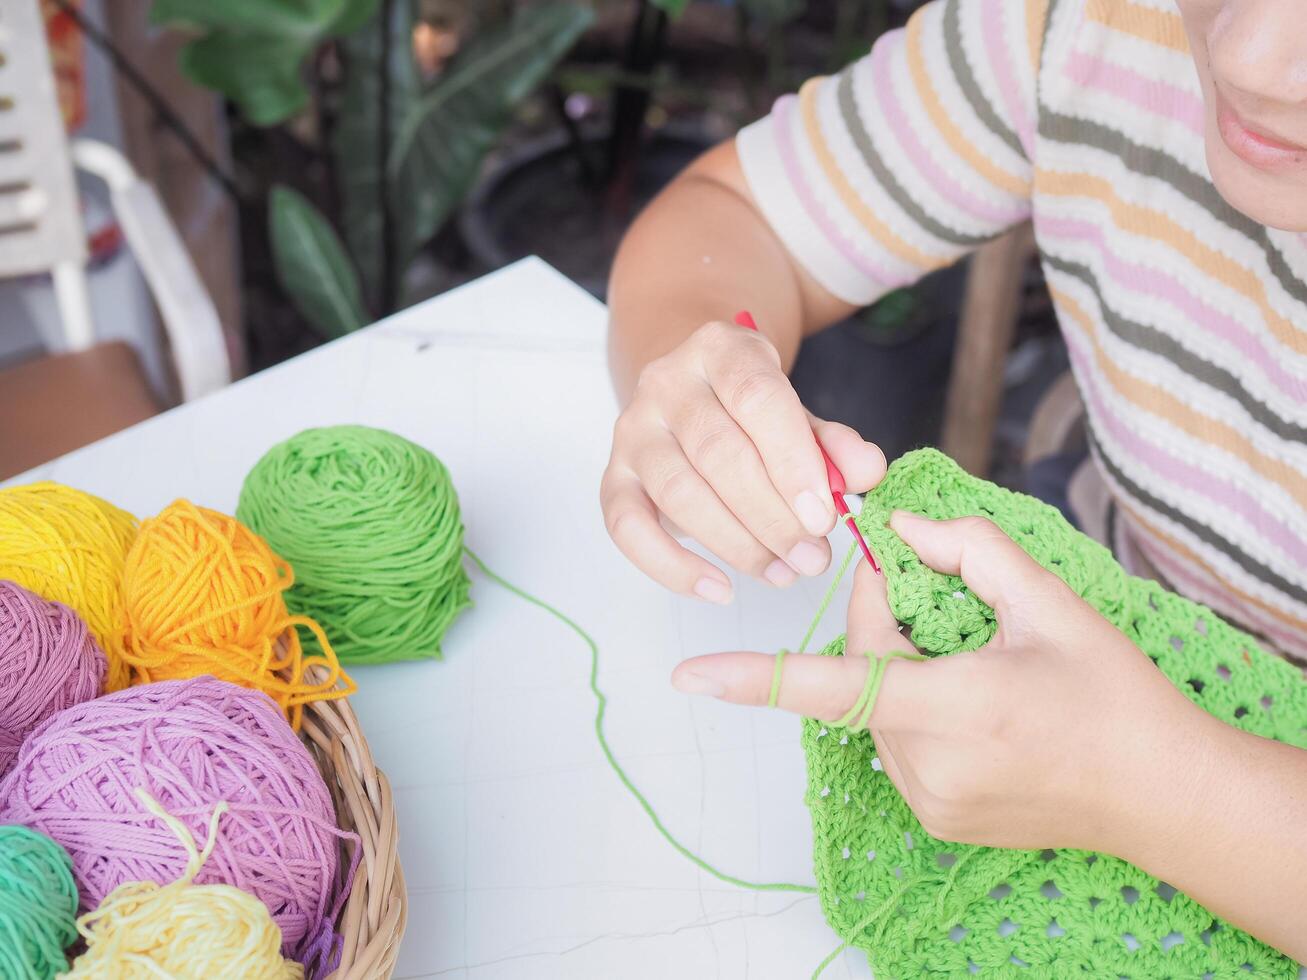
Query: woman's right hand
(716, 440)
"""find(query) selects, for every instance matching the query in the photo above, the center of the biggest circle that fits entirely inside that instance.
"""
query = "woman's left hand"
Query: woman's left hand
(1059, 732)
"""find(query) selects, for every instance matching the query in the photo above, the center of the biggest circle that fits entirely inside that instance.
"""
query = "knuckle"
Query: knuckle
(610, 487)
(718, 339)
(646, 381)
(715, 444)
(776, 531)
(747, 555)
(625, 429)
(789, 467)
(655, 376)
(714, 334)
(618, 521)
(976, 526)
(606, 488)
(618, 515)
(754, 391)
(675, 487)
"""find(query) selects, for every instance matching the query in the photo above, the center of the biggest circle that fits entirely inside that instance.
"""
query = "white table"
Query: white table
(524, 855)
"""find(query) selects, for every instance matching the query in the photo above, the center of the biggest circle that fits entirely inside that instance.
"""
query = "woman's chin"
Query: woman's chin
(1277, 200)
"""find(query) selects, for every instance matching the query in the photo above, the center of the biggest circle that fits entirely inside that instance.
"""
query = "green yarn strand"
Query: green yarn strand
(38, 905)
(370, 523)
(601, 702)
(860, 714)
(774, 695)
(829, 597)
(601, 707)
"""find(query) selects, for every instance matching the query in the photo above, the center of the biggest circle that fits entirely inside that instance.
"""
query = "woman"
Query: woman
(1160, 147)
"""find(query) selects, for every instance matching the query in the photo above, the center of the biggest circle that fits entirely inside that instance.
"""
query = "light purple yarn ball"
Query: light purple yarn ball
(48, 662)
(191, 744)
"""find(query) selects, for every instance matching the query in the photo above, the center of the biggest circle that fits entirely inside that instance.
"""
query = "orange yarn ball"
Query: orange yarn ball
(202, 594)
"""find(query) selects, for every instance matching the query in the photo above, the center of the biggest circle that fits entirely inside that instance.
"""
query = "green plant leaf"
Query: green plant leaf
(442, 139)
(253, 51)
(353, 15)
(357, 142)
(264, 79)
(311, 264)
(306, 19)
(672, 8)
(772, 13)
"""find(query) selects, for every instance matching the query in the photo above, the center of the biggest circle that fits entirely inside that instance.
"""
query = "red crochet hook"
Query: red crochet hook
(833, 476)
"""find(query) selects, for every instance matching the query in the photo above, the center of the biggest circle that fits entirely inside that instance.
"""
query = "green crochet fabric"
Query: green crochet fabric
(923, 907)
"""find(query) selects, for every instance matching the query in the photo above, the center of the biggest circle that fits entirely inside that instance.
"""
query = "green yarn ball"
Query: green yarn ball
(371, 526)
(38, 905)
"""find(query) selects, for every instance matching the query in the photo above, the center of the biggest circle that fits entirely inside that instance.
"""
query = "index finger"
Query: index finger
(817, 686)
(755, 392)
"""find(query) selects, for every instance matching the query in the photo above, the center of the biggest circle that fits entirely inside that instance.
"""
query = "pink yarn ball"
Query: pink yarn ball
(48, 662)
(191, 744)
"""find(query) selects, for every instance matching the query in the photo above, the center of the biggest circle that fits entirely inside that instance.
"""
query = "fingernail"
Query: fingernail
(813, 513)
(780, 574)
(688, 683)
(807, 558)
(713, 590)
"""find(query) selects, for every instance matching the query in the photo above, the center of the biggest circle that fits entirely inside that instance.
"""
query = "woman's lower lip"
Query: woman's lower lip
(1253, 148)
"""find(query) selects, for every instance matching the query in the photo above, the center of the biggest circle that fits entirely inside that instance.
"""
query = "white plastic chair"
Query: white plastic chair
(41, 229)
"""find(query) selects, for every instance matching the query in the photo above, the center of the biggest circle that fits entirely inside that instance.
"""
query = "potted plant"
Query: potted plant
(369, 156)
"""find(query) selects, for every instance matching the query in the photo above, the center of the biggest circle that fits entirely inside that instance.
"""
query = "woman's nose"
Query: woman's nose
(1259, 48)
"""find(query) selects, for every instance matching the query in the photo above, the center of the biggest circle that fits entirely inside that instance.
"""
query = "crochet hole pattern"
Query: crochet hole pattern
(923, 907)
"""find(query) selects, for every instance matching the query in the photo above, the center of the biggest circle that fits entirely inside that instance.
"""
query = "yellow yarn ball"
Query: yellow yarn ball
(69, 546)
(144, 931)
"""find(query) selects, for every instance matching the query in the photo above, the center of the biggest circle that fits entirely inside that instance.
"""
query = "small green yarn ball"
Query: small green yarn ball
(370, 523)
(38, 905)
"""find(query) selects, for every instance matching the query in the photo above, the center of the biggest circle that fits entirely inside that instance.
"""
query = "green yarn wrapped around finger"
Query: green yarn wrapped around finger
(924, 907)
(371, 526)
(38, 905)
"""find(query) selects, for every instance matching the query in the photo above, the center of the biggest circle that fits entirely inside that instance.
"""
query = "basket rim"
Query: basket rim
(372, 920)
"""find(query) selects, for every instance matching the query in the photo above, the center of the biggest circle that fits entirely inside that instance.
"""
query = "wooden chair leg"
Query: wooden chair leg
(1056, 427)
(985, 330)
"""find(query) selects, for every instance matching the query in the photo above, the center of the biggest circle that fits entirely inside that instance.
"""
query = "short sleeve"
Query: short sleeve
(910, 157)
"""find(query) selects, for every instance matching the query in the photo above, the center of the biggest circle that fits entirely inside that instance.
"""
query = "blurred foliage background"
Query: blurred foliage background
(384, 150)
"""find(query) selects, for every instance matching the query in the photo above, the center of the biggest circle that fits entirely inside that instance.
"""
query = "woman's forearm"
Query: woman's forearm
(1228, 827)
(700, 252)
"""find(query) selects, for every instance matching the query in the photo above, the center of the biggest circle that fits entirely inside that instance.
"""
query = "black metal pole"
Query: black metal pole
(388, 275)
(575, 140)
(156, 102)
(644, 48)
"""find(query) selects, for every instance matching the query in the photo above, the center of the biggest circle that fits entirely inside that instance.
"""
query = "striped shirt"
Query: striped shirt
(1186, 321)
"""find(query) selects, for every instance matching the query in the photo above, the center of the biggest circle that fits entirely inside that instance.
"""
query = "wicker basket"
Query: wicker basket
(373, 919)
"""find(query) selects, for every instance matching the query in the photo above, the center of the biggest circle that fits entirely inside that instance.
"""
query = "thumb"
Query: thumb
(861, 463)
(992, 565)
(871, 623)
(815, 686)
